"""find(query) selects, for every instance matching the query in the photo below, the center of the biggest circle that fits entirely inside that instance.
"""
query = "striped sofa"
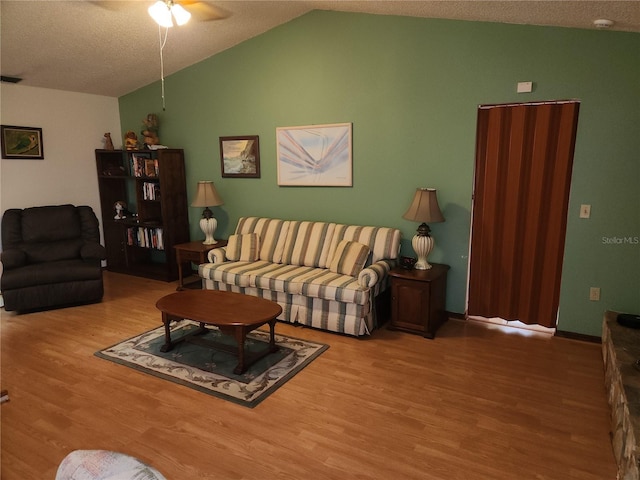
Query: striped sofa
(323, 275)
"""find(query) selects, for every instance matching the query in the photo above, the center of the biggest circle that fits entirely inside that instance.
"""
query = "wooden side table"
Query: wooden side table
(418, 299)
(192, 252)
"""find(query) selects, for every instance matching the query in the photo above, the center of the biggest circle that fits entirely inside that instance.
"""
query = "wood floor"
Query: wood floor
(478, 402)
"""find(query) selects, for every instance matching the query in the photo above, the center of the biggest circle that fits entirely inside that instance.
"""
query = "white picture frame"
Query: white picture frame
(315, 155)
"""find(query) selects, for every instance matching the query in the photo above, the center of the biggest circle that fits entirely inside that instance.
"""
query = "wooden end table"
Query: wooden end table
(233, 313)
(192, 252)
(418, 299)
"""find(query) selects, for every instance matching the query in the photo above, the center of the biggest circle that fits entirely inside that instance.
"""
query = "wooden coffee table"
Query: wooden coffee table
(233, 313)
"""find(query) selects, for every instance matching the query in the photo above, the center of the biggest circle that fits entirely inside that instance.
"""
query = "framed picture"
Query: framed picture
(21, 142)
(240, 156)
(315, 155)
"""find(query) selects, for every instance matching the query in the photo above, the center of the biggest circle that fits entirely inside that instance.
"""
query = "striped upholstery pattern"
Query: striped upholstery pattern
(243, 247)
(347, 318)
(272, 233)
(349, 258)
(308, 243)
(293, 269)
(384, 242)
(292, 279)
(233, 273)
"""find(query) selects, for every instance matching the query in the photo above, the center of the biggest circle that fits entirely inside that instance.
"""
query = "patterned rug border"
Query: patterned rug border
(259, 335)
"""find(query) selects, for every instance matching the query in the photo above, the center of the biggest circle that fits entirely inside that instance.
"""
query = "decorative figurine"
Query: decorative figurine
(150, 129)
(121, 208)
(130, 140)
(108, 144)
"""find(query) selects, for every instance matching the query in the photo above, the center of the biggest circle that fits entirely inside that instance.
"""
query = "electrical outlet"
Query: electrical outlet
(594, 294)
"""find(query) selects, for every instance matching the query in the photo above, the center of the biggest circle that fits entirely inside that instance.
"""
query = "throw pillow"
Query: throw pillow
(349, 258)
(243, 247)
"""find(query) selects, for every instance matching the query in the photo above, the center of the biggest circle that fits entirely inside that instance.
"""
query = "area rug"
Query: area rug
(211, 371)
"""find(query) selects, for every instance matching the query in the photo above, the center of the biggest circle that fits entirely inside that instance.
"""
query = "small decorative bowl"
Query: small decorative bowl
(408, 262)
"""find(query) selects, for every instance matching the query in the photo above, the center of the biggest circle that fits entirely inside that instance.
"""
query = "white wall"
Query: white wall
(73, 126)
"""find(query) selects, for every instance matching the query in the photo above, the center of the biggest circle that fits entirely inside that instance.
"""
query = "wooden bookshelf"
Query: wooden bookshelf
(152, 183)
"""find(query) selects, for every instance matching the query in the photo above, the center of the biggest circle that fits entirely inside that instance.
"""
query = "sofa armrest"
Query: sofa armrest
(217, 255)
(13, 258)
(93, 251)
(374, 273)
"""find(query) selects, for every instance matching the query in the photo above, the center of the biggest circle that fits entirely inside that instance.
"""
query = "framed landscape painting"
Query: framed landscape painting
(240, 156)
(315, 155)
(21, 142)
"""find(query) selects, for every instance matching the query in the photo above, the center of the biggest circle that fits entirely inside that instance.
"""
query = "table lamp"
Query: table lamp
(424, 208)
(207, 196)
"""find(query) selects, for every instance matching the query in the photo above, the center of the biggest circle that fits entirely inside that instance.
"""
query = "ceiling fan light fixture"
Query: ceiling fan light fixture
(180, 14)
(161, 14)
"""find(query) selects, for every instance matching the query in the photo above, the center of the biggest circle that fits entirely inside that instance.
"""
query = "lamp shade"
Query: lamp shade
(160, 12)
(180, 14)
(207, 195)
(424, 207)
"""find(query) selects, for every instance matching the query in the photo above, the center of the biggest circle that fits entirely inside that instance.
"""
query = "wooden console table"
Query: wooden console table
(192, 252)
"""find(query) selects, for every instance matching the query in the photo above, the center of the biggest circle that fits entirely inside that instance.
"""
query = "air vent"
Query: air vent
(10, 79)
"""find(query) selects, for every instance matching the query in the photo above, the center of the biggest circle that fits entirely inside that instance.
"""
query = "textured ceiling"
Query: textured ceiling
(112, 47)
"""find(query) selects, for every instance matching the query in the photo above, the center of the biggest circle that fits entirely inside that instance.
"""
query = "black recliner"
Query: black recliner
(51, 257)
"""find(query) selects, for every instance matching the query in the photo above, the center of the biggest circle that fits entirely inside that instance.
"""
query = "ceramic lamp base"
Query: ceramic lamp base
(208, 226)
(422, 245)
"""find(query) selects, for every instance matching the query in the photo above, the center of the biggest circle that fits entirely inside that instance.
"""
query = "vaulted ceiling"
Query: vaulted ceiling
(112, 47)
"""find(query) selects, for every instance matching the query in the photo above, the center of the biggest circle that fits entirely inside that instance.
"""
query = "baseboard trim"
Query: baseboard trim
(578, 336)
(456, 316)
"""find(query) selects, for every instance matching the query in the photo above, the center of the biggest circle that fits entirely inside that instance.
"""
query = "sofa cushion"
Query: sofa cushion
(291, 279)
(384, 242)
(308, 244)
(244, 247)
(233, 273)
(272, 233)
(328, 285)
(279, 277)
(349, 258)
(309, 281)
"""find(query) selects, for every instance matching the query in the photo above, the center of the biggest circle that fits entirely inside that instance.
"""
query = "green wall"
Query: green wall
(411, 88)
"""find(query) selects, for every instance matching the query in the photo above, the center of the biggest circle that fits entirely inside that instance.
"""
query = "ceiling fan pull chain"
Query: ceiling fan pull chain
(162, 44)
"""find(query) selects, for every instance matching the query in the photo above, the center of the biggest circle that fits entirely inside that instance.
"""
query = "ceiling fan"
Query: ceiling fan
(165, 12)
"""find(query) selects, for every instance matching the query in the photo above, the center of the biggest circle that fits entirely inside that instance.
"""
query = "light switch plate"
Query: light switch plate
(585, 211)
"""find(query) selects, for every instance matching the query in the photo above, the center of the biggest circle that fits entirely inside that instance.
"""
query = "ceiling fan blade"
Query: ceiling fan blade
(110, 5)
(204, 11)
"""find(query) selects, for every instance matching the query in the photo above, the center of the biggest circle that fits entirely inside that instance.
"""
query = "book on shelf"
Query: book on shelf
(138, 164)
(151, 167)
(150, 191)
(145, 237)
